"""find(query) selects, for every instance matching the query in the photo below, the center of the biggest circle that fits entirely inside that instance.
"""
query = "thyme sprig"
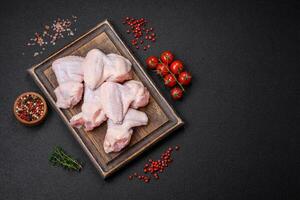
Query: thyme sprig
(59, 158)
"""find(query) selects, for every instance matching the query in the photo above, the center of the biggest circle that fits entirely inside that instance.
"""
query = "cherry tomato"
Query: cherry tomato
(166, 57)
(162, 69)
(184, 78)
(176, 93)
(176, 67)
(170, 80)
(152, 62)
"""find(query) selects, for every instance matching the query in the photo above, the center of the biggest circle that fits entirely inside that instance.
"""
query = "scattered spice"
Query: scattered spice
(155, 167)
(60, 158)
(141, 32)
(59, 28)
(30, 107)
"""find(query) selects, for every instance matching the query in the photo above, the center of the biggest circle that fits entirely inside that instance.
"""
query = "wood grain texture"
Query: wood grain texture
(162, 118)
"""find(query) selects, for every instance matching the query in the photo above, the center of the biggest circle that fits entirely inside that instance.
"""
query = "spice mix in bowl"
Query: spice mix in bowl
(30, 108)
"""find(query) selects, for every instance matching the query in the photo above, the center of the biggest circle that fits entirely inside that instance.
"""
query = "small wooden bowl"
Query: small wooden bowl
(34, 122)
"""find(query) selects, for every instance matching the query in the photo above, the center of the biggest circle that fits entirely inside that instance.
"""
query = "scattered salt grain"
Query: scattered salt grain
(58, 29)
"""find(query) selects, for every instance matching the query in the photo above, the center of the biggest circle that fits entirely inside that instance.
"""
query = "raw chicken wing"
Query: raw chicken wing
(69, 76)
(68, 69)
(91, 114)
(111, 100)
(93, 68)
(119, 68)
(68, 94)
(98, 67)
(117, 98)
(119, 135)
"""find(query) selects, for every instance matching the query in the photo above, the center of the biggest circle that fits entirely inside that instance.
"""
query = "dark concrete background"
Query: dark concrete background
(241, 138)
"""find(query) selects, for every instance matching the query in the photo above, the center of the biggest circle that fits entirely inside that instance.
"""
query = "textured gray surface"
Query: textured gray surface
(241, 138)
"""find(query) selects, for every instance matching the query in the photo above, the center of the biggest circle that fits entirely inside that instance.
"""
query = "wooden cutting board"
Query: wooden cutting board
(162, 117)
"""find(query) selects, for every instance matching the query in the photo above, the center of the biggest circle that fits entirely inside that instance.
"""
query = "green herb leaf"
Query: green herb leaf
(59, 158)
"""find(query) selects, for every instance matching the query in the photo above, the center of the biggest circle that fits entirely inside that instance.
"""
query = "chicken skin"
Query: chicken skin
(69, 75)
(117, 98)
(98, 67)
(92, 114)
(111, 100)
(118, 135)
